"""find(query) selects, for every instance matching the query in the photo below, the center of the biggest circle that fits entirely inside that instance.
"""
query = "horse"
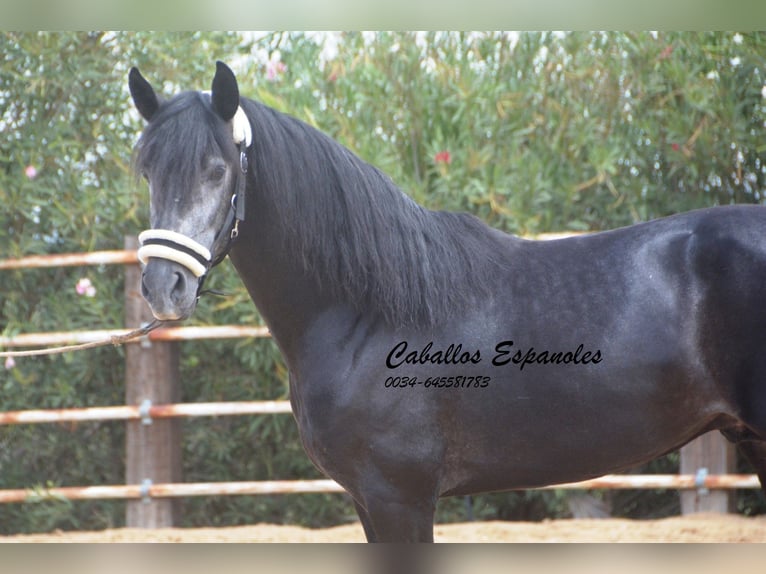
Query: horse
(431, 355)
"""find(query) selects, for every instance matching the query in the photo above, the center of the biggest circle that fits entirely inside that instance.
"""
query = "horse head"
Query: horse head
(193, 154)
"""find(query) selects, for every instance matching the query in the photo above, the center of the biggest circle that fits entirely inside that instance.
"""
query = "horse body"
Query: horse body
(644, 380)
(430, 355)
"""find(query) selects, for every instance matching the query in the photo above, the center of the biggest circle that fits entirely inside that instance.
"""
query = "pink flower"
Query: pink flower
(9, 363)
(443, 157)
(274, 68)
(85, 287)
(30, 171)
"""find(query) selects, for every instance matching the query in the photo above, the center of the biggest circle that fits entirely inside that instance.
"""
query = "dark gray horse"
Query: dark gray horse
(431, 355)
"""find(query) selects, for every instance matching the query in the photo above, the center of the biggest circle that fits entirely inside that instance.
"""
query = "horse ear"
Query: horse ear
(143, 94)
(225, 92)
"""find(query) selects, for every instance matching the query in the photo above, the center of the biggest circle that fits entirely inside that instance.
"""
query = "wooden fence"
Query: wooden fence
(152, 411)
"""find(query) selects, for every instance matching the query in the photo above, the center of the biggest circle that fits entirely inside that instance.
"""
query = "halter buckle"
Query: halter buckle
(235, 230)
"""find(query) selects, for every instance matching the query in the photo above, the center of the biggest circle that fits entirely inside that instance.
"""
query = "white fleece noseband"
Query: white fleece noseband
(166, 244)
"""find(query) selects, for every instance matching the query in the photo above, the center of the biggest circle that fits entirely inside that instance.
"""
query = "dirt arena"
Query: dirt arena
(697, 528)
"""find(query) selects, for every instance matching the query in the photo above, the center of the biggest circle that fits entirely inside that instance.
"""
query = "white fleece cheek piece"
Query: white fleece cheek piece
(241, 129)
(164, 251)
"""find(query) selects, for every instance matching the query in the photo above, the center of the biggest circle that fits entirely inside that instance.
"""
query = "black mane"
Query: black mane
(367, 242)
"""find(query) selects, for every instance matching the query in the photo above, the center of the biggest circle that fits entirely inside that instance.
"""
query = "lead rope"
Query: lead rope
(115, 340)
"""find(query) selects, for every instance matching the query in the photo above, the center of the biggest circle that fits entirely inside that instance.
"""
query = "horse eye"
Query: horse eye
(217, 174)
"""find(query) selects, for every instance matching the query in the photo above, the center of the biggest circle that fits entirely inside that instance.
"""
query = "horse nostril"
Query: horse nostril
(144, 288)
(179, 287)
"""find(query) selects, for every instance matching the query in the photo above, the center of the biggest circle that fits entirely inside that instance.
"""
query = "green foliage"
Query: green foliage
(545, 131)
(531, 132)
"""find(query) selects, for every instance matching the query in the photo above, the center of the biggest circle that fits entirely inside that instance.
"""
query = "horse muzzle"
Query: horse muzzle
(174, 267)
(170, 289)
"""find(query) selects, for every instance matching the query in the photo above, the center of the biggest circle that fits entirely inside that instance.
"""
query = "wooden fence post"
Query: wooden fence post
(152, 451)
(710, 453)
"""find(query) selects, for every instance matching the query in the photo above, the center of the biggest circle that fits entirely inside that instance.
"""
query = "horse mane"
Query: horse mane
(366, 241)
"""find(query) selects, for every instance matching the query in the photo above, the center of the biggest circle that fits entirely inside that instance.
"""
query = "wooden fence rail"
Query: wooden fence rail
(145, 412)
(148, 491)
(121, 257)
(161, 334)
(153, 437)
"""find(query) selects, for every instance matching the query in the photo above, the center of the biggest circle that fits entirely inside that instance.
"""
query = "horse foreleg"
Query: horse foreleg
(395, 521)
(364, 518)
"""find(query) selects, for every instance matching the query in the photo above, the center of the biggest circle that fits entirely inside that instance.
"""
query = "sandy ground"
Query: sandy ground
(697, 528)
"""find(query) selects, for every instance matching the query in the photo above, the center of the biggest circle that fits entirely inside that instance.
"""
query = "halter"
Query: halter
(177, 247)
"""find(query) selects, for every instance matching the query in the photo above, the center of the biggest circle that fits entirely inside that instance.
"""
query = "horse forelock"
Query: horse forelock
(175, 146)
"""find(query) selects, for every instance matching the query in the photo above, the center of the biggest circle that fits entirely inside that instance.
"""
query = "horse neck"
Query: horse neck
(271, 264)
(286, 296)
